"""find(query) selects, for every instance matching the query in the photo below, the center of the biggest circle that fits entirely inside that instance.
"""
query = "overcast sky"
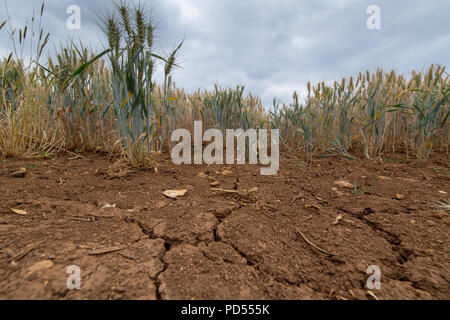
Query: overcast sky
(273, 47)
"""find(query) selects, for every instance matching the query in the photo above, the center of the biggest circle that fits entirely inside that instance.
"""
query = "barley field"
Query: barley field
(85, 145)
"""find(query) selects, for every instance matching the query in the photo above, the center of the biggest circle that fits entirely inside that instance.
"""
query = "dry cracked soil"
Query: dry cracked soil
(234, 235)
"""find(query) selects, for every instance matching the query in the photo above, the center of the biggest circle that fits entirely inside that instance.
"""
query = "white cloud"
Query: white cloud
(303, 43)
(188, 12)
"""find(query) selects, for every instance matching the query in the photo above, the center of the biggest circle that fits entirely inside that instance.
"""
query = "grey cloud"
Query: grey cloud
(273, 46)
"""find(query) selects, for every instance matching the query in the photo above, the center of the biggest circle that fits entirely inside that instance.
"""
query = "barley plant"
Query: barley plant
(377, 113)
(24, 122)
(130, 35)
(79, 103)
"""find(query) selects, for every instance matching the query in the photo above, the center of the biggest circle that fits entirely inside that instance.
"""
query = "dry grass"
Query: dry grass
(110, 102)
(377, 113)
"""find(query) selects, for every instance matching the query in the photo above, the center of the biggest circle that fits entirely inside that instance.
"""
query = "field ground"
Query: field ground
(209, 244)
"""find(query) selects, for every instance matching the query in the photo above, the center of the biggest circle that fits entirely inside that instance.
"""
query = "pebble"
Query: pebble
(400, 196)
(344, 184)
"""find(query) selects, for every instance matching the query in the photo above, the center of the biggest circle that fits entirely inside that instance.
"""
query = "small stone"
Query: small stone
(431, 223)
(202, 175)
(344, 184)
(214, 184)
(400, 196)
(413, 222)
(338, 193)
(42, 265)
(226, 173)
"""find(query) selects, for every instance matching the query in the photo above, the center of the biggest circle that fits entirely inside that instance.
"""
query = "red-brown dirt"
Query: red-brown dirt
(213, 244)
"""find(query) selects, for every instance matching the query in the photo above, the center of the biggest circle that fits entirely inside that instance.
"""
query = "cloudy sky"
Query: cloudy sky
(273, 47)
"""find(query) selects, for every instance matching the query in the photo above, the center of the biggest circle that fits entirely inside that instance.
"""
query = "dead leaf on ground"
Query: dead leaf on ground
(312, 206)
(19, 212)
(370, 293)
(351, 293)
(173, 194)
(109, 206)
(19, 174)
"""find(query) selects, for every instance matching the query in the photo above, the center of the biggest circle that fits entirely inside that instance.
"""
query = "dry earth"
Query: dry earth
(253, 241)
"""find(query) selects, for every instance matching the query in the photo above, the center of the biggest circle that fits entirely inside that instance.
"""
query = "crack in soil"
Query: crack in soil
(157, 281)
(54, 208)
(248, 259)
(167, 247)
(403, 254)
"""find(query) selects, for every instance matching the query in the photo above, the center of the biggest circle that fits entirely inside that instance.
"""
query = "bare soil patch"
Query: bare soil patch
(234, 235)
